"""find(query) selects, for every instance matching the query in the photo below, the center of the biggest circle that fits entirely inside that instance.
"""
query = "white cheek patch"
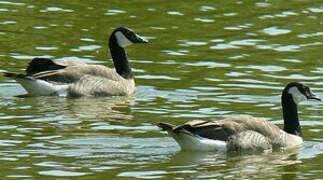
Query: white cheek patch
(122, 40)
(297, 95)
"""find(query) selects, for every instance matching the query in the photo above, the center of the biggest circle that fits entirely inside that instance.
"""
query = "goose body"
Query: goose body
(45, 77)
(244, 133)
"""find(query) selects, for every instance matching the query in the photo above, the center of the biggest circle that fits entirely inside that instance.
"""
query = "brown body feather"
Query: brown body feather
(239, 132)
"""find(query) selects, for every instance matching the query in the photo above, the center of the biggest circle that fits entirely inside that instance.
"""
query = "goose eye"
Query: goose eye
(307, 90)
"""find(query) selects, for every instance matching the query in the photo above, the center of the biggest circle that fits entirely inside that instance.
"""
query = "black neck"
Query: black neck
(119, 58)
(290, 115)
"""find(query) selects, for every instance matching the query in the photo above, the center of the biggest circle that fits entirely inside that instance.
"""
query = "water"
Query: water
(205, 60)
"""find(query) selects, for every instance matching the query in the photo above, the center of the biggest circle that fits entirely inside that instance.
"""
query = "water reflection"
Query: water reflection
(220, 165)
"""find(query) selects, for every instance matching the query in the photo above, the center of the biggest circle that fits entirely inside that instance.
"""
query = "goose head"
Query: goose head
(300, 92)
(126, 37)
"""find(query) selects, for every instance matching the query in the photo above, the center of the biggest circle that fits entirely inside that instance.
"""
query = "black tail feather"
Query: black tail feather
(42, 64)
(165, 126)
(13, 75)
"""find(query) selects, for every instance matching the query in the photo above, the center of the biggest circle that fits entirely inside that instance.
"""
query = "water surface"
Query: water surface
(206, 59)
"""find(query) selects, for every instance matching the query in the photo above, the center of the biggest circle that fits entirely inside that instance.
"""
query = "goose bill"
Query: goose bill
(311, 95)
(314, 97)
(140, 39)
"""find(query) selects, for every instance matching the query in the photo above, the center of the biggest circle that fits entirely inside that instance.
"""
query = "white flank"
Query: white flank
(42, 88)
(293, 141)
(122, 40)
(197, 143)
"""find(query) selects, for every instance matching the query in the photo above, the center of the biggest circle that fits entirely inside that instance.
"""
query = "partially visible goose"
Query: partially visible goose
(245, 133)
(45, 77)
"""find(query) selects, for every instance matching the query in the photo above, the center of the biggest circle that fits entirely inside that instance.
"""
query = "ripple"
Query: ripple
(40, 27)
(158, 28)
(6, 127)
(280, 48)
(232, 28)
(192, 43)
(246, 42)
(62, 173)
(316, 10)
(86, 48)
(12, 3)
(230, 14)
(311, 149)
(265, 68)
(88, 39)
(287, 14)
(4, 142)
(292, 60)
(106, 126)
(217, 40)
(204, 20)
(176, 53)
(49, 164)
(294, 77)
(274, 31)
(157, 77)
(175, 13)
(28, 57)
(224, 46)
(236, 74)
(254, 81)
(8, 159)
(16, 117)
(128, 145)
(263, 4)
(4, 10)
(287, 48)
(56, 9)
(208, 64)
(46, 48)
(308, 35)
(143, 174)
(207, 8)
(254, 86)
(284, 14)
(80, 59)
(47, 137)
(112, 12)
(239, 27)
(8, 22)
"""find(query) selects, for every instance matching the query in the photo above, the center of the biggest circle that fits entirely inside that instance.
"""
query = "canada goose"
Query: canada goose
(45, 77)
(245, 133)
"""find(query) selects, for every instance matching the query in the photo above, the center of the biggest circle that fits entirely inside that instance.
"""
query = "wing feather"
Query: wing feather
(73, 74)
(100, 86)
(223, 129)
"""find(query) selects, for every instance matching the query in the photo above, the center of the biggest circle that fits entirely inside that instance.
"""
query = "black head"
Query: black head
(300, 92)
(126, 37)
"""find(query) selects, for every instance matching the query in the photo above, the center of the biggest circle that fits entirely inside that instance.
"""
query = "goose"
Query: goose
(244, 132)
(45, 77)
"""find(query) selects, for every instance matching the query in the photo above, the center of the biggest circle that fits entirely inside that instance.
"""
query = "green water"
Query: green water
(205, 59)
